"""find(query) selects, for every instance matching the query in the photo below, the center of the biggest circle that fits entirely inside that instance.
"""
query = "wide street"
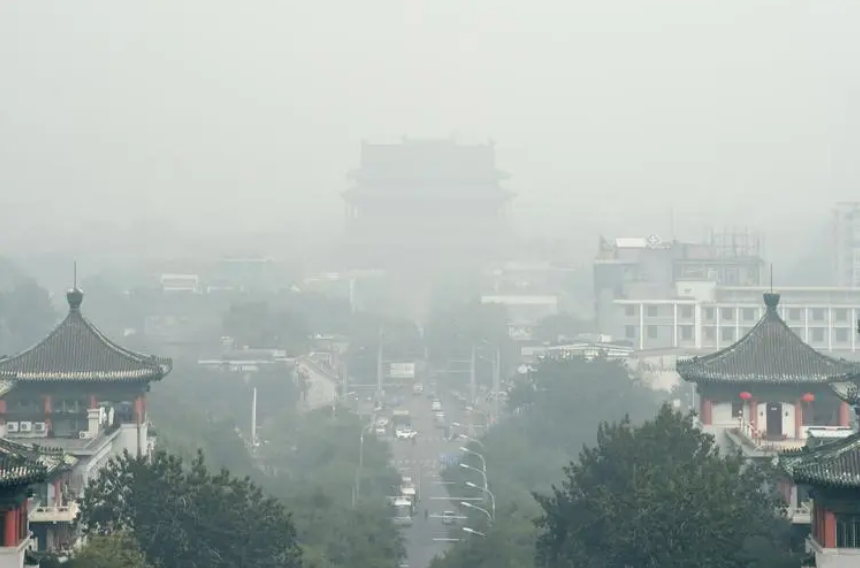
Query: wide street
(422, 461)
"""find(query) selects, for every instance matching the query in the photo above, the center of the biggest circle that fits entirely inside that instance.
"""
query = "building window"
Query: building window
(749, 314)
(817, 314)
(737, 408)
(686, 332)
(652, 311)
(847, 531)
(652, 332)
(708, 314)
(794, 314)
(630, 311)
(840, 314)
(841, 335)
(686, 312)
(710, 333)
(630, 332)
(727, 314)
(727, 334)
(818, 334)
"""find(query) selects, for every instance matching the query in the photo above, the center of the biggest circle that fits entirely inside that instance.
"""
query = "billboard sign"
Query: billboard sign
(401, 371)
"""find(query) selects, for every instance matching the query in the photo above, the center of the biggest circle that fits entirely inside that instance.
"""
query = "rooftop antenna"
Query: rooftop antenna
(75, 275)
(771, 278)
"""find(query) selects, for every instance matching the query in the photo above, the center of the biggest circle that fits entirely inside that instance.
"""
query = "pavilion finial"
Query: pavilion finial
(771, 300)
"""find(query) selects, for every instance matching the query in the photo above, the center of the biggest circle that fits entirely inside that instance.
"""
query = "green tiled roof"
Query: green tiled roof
(52, 459)
(770, 353)
(19, 471)
(77, 351)
(835, 464)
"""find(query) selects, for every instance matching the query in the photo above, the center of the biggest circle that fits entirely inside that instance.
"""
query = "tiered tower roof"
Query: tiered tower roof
(769, 353)
(835, 464)
(77, 351)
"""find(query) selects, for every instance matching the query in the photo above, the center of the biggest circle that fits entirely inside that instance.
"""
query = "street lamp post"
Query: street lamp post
(357, 493)
(473, 531)
(475, 469)
(488, 492)
(468, 438)
(476, 508)
(474, 453)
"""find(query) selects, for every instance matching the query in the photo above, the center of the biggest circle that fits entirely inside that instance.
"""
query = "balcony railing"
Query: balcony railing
(67, 513)
(759, 441)
(800, 515)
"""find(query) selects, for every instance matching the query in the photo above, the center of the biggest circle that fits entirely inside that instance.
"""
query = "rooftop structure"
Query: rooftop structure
(424, 200)
(770, 353)
(18, 472)
(767, 389)
(829, 473)
(649, 268)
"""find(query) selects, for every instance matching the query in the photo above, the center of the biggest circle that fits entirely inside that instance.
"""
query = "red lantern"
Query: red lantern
(808, 397)
(745, 395)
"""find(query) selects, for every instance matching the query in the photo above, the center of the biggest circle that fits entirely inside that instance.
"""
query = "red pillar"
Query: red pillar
(844, 414)
(139, 410)
(9, 528)
(706, 411)
(798, 419)
(829, 529)
(94, 402)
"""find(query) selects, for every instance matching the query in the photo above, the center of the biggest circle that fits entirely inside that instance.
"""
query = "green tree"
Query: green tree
(188, 516)
(660, 495)
(316, 457)
(552, 413)
(117, 550)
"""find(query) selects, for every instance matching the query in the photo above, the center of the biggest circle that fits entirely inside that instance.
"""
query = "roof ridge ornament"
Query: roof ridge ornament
(75, 297)
(771, 300)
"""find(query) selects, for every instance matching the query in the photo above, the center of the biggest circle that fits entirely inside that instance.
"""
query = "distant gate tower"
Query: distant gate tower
(431, 203)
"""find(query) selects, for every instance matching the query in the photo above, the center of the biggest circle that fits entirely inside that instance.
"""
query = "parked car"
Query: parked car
(449, 517)
(436, 405)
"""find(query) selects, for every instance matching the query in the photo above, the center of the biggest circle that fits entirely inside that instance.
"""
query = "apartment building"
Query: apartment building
(707, 316)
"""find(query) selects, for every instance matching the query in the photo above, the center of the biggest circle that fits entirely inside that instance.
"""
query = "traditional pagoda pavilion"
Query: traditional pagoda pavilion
(829, 473)
(78, 389)
(53, 510)
(17, 475)
(766, 390)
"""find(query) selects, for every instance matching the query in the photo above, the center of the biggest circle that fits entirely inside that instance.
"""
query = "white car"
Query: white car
(449, 517)
(405, 433)
(435, 406)
(418, 388)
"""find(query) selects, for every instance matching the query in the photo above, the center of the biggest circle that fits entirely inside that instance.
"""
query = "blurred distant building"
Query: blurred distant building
(424, 202)
(690, 298)
(846, 244)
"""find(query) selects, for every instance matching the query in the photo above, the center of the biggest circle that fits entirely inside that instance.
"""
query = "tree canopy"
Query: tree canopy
(661, 495)
(118, 550)
(552, 413)
(188, 516)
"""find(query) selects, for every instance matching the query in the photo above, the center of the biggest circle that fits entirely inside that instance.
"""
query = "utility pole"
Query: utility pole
(379, 367)
(473, 387)
(497, 383)
(254, 417)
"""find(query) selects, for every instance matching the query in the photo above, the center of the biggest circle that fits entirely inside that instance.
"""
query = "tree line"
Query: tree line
(593, 470)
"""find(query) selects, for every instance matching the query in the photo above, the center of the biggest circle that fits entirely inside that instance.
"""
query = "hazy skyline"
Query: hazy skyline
(607, 114)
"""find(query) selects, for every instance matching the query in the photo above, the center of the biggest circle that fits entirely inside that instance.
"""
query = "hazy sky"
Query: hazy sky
(606, 113)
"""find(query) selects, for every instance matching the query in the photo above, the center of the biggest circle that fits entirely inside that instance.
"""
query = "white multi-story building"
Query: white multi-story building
(705, 316)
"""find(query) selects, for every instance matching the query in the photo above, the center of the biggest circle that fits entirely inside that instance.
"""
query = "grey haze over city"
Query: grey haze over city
(429, 284)
(621, 118)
